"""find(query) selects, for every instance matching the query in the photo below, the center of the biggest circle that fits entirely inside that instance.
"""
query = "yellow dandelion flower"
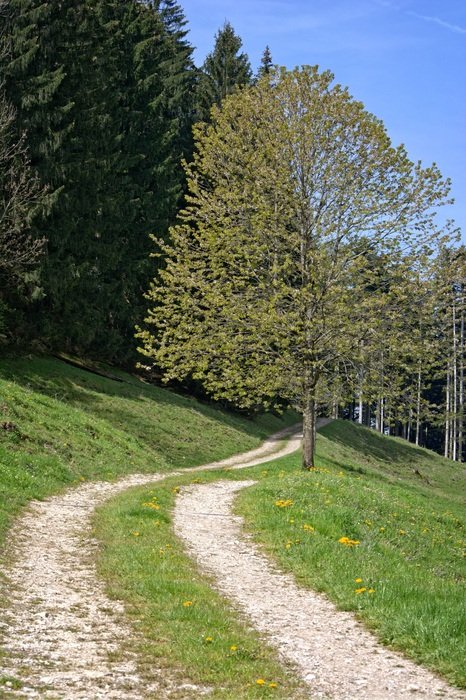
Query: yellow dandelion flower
(208, 639)
(371, 590)
(272, 684)
(309, 528)
(348, 542)
(283, 503)
(260, 681)
(360, 590)
(358, 580)
(233, 647)
(187, 603)
(135, 533)
(152, 504)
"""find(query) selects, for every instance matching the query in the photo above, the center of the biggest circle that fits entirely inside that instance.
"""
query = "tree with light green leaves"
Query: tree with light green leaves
(263, 293)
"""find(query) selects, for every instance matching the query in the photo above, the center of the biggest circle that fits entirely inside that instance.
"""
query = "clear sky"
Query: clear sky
(405, 59)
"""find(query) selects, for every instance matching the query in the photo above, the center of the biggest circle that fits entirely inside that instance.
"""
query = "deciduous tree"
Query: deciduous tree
(263, 293)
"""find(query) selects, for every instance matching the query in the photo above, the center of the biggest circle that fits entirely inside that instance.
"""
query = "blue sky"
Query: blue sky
(405, 59)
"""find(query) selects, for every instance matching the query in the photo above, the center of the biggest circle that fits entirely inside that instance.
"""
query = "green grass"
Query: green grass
(60, 425)
(203, 642)
(411, 538)
(410, 529)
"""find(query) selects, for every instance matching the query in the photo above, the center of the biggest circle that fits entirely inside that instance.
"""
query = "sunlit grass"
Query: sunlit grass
(180, 617)
(385, 547)
(60, 425)
(390, 551)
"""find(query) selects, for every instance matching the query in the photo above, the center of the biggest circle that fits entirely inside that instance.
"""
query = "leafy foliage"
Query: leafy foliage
(293, 187)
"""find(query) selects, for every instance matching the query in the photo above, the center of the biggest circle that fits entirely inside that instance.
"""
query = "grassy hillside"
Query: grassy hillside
(60, 425)
(401, 569)
(379, 527)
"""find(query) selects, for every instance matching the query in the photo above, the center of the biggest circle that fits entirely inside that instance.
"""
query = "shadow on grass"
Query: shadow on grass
(370, 443)
(91, 393)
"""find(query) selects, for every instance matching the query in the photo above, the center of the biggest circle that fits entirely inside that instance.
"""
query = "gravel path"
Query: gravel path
(64, 638)
(332, 652)
(61, 634)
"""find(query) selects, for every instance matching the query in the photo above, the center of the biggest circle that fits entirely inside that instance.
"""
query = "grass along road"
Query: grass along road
(61, 426)
(417, 603)
(63, 635)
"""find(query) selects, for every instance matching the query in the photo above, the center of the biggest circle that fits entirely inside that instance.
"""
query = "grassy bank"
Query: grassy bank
(184, 625)
(60, 425)
(379, 527)
(400, 568)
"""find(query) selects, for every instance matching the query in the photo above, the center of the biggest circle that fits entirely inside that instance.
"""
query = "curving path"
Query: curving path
(62, 636)
(333, 653)
(65, 639)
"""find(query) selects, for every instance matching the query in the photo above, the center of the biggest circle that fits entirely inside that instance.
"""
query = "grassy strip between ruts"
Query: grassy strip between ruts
(371, 537)
(186, 626)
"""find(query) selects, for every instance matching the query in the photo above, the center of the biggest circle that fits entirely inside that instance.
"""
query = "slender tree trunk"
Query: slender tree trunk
(461, 396)
(309, 422)
(447, 417)
(455, 384)
(309, 433)
(418, 404)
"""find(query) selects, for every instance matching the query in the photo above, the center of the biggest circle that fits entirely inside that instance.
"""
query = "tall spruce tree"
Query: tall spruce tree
(223, 71)
(266, 64)
(93, 83)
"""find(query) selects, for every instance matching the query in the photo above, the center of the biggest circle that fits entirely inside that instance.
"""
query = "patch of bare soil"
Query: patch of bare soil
(62, 636)
(332, 652)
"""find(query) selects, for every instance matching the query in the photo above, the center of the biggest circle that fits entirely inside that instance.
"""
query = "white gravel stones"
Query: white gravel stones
(62, 635)
(331, 651)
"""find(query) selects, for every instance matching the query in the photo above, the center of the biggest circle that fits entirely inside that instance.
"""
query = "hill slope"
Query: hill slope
(60, 425)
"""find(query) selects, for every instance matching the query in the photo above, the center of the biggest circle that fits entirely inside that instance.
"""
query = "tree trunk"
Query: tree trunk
(360, 409)
(461, 396)
(418, 404)
(309, 430)
(455, 385)
(447, 417)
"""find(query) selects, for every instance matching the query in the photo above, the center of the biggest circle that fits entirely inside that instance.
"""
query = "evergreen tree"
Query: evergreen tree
(102, 89)
(224, 70)
(266, 65)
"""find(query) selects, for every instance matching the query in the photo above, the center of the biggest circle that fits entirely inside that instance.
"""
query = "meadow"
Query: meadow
(61, 425)
(377, 526)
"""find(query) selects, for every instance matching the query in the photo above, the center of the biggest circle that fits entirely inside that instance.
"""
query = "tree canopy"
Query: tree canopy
(224, 70)
(264, 289)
